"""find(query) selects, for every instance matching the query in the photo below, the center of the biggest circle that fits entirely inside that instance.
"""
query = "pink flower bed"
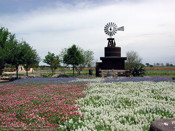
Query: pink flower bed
(30, 106)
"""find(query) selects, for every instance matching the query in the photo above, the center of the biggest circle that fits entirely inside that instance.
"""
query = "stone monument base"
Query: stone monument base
(113, 73)
(163, 125)
(112, 63)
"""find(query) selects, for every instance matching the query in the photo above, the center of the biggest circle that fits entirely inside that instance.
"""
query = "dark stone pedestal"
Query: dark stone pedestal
(163, 125)
(110, 63)
(112, 60)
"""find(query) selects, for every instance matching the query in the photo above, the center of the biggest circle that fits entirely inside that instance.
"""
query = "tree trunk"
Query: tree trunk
(52, 72)
(17, 71)
(1, 69)
(73, 69)
(26, 71)
(78, 71)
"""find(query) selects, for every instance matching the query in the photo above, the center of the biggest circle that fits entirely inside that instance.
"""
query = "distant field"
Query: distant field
(47, 71)
(160, 68)
(160, 71)
(150, 71)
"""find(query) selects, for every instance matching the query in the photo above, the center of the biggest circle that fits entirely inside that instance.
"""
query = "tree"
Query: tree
(10, 49)
(30, 57)
(1, 60)
(22, 54)
(133, 57)
(15, 58)
(134, 64)
(147, 64)
(88, 60)
(167, 64)
(52, 60)
(14, 52)
(162, 64)
(73, 57)
(4, 37)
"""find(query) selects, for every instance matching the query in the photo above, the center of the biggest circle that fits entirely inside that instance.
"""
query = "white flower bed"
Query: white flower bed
(126, 105)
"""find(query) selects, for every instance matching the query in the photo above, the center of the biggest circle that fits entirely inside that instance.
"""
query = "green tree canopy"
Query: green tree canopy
(88, 60)
(30, 57)
(8, 44)
(52, 60)
(4, 34)
(73, 57)
(14, 52)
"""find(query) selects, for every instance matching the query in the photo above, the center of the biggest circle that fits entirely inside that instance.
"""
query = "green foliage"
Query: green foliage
(9, 48)
(3, 39)
(173, 77)
(46, 75)
(12, 75)
(61, 55)
(52, 60)
(15, 53)
(88, 59)
(147, 64)
(29, 57)
(73, 57)
(138, 70)
(1, 70)
(2, 62)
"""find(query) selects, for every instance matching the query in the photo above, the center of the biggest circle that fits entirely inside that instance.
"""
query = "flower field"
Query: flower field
(36, 106)
(86, 104)
(127, 105)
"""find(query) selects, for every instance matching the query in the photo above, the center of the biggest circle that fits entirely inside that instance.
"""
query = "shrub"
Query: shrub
(138, 70)
(173, 77)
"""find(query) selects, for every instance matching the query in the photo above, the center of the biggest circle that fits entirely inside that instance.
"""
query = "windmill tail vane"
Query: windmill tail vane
(120, 28)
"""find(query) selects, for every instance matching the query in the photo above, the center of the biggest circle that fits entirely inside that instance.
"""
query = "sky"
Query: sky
(52, 25)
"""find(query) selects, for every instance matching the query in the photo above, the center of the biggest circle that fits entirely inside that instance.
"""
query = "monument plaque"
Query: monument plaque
(112, 60)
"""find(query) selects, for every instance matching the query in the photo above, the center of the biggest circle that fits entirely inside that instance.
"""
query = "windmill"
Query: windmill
(111, 29)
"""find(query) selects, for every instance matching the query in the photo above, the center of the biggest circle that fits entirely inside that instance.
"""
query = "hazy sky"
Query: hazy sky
(51, 25)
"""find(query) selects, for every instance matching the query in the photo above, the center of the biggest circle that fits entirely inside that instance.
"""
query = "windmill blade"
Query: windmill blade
(121, 28)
